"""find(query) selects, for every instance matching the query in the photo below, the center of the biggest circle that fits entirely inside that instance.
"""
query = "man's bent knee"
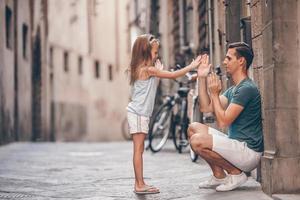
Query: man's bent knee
(201, 141)
(196, 127)
(191, 130)
(196, 142)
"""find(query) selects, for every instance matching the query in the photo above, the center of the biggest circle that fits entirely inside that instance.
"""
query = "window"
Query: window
(246, 30)
(245, 22)
(24, 40)
(66, 61)
(51, 57)
(245, 8)
(110, 72)
(97, 69)
(9, 27)
(80, 65)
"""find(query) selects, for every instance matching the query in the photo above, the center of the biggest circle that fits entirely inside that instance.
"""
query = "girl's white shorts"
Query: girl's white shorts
(137, 123)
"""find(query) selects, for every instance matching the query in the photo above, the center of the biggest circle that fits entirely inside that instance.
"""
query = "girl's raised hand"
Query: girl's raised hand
(159, 65)
(195, 63)
(204, 66)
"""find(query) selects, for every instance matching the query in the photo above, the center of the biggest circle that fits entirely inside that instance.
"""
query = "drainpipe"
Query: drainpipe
(181, 25)
(210, 33)
(217, 53)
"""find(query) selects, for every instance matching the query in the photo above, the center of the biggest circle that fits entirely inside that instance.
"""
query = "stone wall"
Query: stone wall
(276, 70)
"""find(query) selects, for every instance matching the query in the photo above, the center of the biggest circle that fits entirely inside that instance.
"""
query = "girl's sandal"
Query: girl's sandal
(147, 190)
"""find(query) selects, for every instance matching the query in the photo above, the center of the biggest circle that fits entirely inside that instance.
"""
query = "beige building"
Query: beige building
(88, 54)
(63, 72)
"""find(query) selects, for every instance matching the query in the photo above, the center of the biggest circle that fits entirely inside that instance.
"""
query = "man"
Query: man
(239, 108)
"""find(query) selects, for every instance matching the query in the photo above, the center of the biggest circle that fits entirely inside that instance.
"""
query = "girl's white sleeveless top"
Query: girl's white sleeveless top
(143, 96)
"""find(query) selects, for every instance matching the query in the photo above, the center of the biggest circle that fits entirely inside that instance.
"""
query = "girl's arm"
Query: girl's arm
(155, 71)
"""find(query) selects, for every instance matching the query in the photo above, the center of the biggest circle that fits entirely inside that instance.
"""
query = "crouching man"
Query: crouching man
(239, 109)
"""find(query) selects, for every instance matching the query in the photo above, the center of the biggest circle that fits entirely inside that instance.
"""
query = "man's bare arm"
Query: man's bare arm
(205, 103)
(225, 117)
(204, 99)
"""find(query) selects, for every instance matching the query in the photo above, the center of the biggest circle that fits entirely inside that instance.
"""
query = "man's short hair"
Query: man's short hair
(243, 50)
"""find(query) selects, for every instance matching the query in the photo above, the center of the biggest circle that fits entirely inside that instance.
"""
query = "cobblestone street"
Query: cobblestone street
(104, 171)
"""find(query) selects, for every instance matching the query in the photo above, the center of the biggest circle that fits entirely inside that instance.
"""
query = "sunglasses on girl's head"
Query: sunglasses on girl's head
(151, 38)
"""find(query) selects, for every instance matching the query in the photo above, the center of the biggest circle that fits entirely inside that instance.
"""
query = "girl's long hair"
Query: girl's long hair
(141, 54)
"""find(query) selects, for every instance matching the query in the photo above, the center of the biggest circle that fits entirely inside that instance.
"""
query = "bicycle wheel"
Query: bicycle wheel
(179, 134)
(159, 128)
(193, 155)
(125, 130)
(179, 128)
(197, 117)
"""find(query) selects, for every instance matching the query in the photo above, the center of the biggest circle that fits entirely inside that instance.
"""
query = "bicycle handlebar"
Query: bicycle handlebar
(189, 75)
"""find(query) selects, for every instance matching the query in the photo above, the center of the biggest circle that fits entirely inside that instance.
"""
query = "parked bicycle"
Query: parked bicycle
(171, 120)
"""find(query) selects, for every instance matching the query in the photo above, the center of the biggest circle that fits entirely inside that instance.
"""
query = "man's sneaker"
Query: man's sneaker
(232, 182)
(212, 182)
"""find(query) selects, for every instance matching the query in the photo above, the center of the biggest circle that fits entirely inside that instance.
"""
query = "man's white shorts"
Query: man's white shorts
(234, 151)
(137, 123)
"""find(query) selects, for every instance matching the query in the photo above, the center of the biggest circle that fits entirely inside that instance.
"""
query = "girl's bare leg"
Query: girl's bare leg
(138, 150)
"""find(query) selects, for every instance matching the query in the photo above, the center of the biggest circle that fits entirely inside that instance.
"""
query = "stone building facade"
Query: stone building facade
(7, 84)
(189, 27)
(22, 54)
(275, 38)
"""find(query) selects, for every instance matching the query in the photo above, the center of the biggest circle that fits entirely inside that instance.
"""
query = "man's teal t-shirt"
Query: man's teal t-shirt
(247, 126)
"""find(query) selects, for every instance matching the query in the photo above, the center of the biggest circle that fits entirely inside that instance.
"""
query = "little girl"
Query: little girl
(144, 76)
